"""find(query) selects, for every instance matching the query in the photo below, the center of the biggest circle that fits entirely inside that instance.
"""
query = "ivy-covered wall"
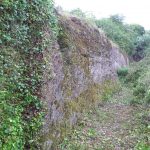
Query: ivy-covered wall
(24, 28)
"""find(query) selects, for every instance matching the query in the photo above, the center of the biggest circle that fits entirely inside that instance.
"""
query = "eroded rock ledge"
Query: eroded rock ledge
(83, 63)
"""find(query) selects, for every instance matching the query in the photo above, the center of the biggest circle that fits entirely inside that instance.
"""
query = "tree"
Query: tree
(78, 12)
(138, 29)
(118, 32)
(117, 18)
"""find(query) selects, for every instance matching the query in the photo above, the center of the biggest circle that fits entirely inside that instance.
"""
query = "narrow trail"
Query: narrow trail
(114, 125)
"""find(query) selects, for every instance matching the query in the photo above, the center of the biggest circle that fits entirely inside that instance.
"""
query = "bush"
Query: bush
(134, 101)
(141, 46)
(132, 77)
(138, 80)
(142, 146)
(122, 72)
(139, 91)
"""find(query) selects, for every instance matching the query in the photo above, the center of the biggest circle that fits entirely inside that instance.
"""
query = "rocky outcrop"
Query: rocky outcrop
(80, 61)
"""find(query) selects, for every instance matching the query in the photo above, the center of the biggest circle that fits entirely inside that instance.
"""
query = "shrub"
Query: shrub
(142, 146)
(133, 76)
(134, 101)
(122, 72)
(139, 91)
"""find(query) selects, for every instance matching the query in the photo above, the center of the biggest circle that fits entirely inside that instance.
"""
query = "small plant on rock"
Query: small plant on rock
(122, 72)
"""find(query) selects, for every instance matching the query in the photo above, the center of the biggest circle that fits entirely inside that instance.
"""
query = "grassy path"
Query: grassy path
(111, 126)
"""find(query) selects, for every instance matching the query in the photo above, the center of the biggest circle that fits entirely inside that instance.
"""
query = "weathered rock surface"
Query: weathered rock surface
(81, 58)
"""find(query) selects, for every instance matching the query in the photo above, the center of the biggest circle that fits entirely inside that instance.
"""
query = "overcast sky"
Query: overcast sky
(135, 11)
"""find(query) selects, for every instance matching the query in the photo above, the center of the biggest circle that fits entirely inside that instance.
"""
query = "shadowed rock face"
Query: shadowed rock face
(80, 58)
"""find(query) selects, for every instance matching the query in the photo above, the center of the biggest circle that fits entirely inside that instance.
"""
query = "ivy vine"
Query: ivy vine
(24, 27)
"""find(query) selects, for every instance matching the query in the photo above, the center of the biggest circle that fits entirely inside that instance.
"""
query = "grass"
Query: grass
(108, 129)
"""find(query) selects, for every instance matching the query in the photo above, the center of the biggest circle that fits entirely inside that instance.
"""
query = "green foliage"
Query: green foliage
(139, 91)
(133, 39)
(138, 80)
(86, 16)
(142, 42)
(118, 32)
(137, 29)
(142, 146)
(78, 12)
(133, 76)
(117, 18)
(122, 72)
(11, 131)
(23, 39)
(91, 132)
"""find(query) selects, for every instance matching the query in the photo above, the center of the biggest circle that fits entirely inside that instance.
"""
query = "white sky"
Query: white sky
(135, 11)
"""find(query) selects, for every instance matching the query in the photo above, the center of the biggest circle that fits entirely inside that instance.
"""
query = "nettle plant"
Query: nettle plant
(24, 28)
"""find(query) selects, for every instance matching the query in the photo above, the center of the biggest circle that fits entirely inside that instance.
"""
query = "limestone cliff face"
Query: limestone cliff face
(80, 61)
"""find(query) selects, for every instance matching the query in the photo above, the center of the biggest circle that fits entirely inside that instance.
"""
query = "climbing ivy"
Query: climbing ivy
(25, 26)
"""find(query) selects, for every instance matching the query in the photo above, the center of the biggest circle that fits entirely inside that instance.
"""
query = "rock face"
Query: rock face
(81, 60)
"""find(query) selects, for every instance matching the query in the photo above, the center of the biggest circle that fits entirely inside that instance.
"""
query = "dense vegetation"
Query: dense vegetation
(138, 80)
(133, 39)
(23, 39)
